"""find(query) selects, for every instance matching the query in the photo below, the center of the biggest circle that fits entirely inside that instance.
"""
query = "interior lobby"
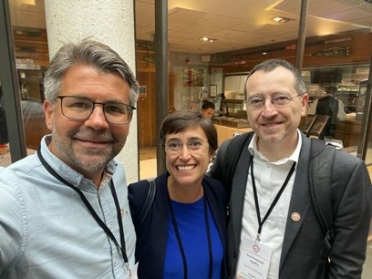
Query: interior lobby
(211, 45)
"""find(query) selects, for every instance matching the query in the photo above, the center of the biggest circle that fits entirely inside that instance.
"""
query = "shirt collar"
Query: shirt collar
(69, 174)
(253, 149)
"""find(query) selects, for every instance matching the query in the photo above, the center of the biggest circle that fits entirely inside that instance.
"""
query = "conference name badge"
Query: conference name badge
(254, 260)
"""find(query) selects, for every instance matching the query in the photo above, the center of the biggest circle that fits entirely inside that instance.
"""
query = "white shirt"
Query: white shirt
(269, 178)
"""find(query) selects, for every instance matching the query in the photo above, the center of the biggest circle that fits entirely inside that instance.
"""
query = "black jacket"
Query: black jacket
(351, 210)
(152, 236)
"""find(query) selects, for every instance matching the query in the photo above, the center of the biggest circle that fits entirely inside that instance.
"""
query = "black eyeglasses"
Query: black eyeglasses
(278, 100)
(80, 108)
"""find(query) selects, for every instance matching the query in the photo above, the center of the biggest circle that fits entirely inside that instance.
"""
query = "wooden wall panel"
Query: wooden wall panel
(31, 43)
(147, 111)
(147, 134)
(359, 45)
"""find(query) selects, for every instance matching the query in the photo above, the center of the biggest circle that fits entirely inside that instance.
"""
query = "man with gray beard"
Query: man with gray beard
(64, 210)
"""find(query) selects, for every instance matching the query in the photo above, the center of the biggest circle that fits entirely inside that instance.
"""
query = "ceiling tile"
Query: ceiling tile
(235, 23)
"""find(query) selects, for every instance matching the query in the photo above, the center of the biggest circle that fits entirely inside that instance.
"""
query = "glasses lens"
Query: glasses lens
(118, 113)
(194, 145)
(281, 100)
(76, 108)
(256, 102)
(173, 146)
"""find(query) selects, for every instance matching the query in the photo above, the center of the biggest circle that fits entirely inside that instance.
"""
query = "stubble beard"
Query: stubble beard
(273, 137)
(89, 160)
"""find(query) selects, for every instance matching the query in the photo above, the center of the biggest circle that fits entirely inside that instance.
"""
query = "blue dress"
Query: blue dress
(191, 224)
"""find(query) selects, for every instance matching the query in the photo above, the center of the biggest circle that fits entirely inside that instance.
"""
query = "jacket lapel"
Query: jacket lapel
(239, 184)
(300, 200)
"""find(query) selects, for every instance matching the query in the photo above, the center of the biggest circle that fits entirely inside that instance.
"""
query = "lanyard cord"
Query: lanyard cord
(209, 238)
(179, 240)
(260, 223)
(90, 208)
(120, 222)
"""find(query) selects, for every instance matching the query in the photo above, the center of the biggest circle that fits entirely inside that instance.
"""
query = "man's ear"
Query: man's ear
(304, 102)
(48, 112)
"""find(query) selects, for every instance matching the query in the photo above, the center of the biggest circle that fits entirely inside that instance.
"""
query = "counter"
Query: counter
(349, 131)
(227, 126)
(232, 122)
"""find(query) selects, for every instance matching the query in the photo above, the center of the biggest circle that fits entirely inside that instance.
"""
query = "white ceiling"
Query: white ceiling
(236, 24)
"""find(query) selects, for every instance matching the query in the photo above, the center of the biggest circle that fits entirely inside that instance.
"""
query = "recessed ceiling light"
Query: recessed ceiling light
(282, 19)
(207, 39)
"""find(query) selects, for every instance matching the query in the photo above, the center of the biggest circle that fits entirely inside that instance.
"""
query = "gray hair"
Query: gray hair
(272, 64)
(91, 53)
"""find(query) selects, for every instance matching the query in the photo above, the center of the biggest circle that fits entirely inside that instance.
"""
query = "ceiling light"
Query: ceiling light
(207, 39)
(282, 19)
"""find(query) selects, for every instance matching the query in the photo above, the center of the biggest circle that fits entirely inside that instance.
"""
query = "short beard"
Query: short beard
(99, 159)
(273, 138)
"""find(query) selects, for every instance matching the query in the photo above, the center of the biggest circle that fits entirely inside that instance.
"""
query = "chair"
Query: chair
(306, 123)
(318, 126)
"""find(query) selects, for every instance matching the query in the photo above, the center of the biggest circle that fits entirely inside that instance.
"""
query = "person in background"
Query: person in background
(329, 105)
(271, 212)
(208, 109)
(183, 235)
(64, 211)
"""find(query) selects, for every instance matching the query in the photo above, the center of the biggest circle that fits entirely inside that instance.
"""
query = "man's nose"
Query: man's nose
(97, 118)
(268, 108)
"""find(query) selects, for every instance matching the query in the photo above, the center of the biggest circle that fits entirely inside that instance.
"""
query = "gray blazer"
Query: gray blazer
(351, 205)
